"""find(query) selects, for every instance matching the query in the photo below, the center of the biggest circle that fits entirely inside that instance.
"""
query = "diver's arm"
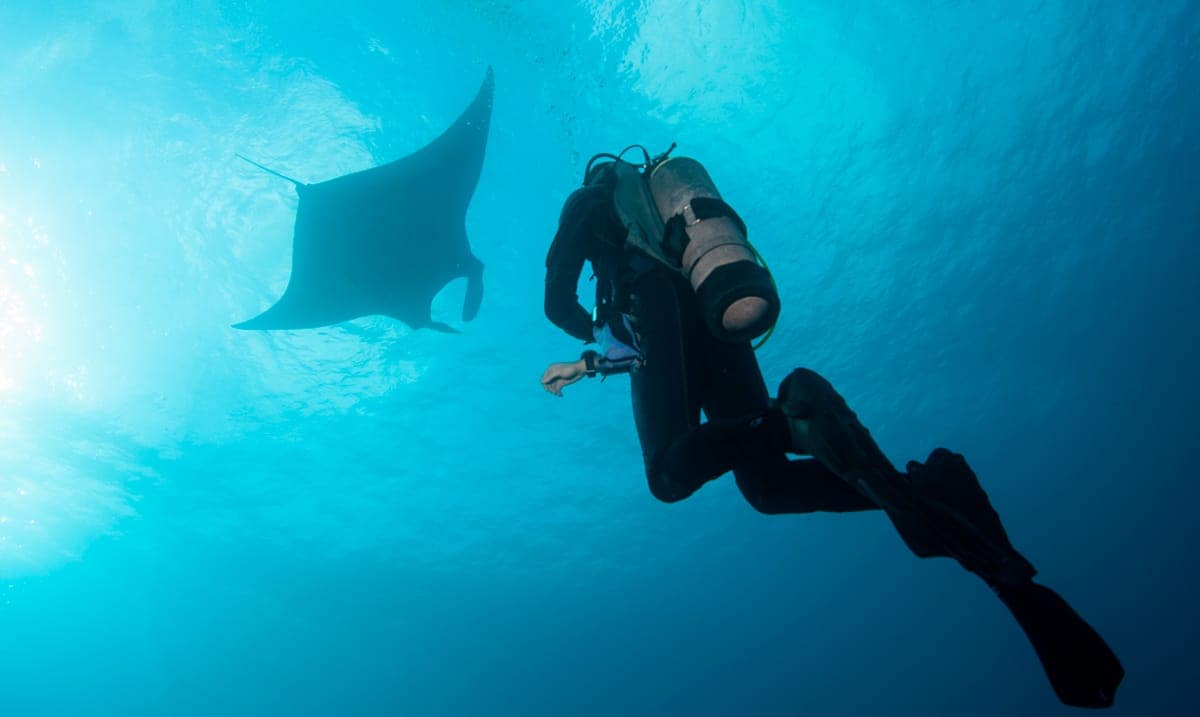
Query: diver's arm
(596, 364)
(560, 375)
(564, 262)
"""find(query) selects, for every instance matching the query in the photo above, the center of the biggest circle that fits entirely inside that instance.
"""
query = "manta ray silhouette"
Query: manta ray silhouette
(387, 240)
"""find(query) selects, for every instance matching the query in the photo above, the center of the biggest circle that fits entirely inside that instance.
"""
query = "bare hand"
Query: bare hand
(560, 375)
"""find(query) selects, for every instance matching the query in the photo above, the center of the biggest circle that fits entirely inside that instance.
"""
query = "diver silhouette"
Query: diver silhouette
(680, 294)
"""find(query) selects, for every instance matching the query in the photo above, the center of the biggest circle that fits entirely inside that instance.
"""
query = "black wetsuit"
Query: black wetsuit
(686, 370)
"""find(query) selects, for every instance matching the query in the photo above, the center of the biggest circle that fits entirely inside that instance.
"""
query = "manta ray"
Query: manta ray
(386, 240)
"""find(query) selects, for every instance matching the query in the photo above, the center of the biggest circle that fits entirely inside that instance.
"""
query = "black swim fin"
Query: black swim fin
(1081, 667)
(951, 503)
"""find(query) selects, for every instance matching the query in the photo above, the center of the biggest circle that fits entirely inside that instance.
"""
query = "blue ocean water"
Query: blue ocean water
(984, 221)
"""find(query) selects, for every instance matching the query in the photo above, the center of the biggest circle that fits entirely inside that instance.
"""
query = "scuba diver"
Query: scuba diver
(680, 295)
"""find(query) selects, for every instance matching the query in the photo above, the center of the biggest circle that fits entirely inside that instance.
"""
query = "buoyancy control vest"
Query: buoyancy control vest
(674, 214)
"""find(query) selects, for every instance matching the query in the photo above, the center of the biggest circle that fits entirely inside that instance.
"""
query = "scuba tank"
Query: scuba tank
(674, 214)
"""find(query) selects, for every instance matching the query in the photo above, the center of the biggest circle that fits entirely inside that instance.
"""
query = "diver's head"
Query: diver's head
(599, 172)
(601, 168)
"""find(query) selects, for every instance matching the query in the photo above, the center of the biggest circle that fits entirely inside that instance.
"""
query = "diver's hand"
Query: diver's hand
(560, 375)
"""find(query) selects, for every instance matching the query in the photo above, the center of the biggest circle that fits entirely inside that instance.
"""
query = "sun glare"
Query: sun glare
(20, 330)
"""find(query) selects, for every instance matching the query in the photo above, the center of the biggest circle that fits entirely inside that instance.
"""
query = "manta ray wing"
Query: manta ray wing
(386, 240)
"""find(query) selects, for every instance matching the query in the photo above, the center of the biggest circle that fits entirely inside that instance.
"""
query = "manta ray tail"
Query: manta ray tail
(271, 171)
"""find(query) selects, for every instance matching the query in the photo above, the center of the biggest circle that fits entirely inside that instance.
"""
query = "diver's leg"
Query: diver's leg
(823, 426)
(665, 405)
(736, 393)
(686, 369)
(767, 479)
(774, 485)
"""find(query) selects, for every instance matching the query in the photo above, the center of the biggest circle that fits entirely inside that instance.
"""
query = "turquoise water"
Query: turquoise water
(983, 218)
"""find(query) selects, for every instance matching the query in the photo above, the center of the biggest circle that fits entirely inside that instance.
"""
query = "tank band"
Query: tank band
(698, 209)
(702, 208)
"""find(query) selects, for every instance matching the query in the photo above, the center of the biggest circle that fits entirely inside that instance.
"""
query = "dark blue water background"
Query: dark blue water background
(984, 220)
